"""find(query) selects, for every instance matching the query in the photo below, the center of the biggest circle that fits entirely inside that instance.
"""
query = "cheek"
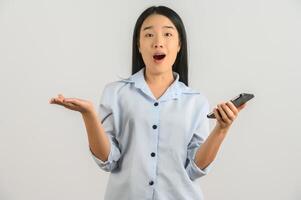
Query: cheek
(173, 45)
(143, 49)
(173, 49)
(142, 44)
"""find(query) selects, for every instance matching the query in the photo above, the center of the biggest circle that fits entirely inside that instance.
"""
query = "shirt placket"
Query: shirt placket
(154, 145)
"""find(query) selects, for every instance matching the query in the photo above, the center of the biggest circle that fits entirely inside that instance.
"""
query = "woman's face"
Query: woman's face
(158, 43)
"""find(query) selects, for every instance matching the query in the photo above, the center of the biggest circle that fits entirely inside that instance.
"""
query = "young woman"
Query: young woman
(151, 131)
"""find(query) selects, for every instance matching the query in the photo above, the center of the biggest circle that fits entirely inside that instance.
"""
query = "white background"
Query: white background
(76, 47)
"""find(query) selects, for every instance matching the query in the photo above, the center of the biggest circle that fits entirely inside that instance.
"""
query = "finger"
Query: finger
(66, 104)
(232, 107)
(51, 100)
(228, 111)
(223, 114)
(71, 100)
(58, 101)
(70, 106)
(61, 97)
(218, 116)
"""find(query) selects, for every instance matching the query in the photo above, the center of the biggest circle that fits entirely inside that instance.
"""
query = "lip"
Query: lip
(159, 53)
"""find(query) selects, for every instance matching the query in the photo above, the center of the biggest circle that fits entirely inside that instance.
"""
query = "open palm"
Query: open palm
(80, 105)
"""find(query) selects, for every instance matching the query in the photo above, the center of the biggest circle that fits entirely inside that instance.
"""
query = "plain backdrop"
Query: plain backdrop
(75, 47)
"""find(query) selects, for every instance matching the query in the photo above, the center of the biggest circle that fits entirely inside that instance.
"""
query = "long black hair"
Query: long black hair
(181, 64)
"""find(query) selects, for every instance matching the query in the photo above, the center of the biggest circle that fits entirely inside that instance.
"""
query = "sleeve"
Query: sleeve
(107, 113)
(200, 134)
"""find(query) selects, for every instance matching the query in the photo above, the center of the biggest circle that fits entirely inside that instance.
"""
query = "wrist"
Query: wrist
(220, 130)
(89, 113)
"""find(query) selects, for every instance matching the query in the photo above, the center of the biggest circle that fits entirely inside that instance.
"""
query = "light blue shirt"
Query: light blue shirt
(153, 141)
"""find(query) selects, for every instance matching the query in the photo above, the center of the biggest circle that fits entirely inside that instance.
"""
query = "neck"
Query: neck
(159, 79)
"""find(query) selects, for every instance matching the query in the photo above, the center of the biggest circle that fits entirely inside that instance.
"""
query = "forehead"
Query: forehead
(157, 21)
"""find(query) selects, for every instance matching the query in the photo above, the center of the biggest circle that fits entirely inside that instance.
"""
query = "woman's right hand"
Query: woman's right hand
(80, 105)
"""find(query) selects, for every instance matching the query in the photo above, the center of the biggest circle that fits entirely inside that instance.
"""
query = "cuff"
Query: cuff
(113, 157)
(97, 160)
(195, 172)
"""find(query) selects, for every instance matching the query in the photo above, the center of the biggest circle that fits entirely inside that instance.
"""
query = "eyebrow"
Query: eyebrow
(150, 27)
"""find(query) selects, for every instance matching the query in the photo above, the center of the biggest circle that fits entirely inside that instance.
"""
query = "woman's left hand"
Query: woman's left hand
(225, 114)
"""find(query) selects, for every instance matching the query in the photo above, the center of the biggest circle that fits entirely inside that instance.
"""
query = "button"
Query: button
(156, 104)
(153, 154)
(151, 183)
(154, 126)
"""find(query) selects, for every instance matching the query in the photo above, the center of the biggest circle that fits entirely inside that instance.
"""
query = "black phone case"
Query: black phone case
(237, 101)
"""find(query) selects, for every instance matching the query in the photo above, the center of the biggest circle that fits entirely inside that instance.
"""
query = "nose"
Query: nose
(158, 45)
(158, 42)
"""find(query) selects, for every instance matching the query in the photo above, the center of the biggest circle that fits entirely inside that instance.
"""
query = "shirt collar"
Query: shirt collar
(173, 91)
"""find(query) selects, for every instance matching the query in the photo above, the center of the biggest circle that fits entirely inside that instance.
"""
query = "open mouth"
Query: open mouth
(159, 56)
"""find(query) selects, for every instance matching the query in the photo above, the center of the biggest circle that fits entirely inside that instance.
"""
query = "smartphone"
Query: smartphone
(237, 101)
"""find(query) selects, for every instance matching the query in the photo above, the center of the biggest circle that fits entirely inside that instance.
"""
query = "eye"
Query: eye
(168, 34)
(148, 35)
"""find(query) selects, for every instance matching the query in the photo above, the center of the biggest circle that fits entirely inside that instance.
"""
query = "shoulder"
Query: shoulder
(114, 87)
(111, 92)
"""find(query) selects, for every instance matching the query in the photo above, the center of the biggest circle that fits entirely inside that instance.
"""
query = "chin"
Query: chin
(158, 69)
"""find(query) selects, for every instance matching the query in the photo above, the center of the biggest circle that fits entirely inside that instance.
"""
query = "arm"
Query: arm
(207, 152)
(225, 114)
(101, 134)
(98, 139)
